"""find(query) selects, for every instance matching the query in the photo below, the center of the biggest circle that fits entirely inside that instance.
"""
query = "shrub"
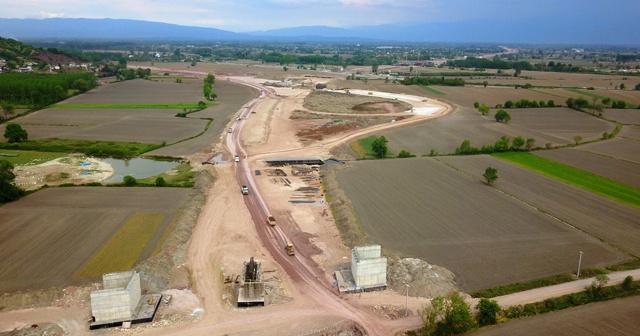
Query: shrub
(129, 181)
(160, 182)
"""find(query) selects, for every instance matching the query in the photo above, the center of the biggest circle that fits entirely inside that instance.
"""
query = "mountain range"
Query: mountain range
(569, 30)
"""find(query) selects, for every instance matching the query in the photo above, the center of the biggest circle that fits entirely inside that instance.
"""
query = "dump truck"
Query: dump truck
(271, 220)
(289, 249)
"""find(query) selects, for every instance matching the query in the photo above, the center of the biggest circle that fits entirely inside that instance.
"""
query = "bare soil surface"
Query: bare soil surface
(76, 169)
(439, 214)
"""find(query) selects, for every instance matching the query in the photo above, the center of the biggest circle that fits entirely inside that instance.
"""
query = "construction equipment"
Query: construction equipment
(271, 220)
(289, 249)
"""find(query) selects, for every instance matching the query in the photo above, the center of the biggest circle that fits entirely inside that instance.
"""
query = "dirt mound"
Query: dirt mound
(380, 107)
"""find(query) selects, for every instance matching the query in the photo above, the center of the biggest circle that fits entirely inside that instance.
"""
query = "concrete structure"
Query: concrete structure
(121, 301)
(251, 290)
(368, 271)
(281, 161)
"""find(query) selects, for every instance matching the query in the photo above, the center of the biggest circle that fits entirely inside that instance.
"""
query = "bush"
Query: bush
(160, 182)
(129, 181)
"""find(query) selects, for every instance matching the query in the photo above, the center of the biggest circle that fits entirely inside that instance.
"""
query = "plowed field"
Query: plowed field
(47, 236)
(423, 208)
(619, 148)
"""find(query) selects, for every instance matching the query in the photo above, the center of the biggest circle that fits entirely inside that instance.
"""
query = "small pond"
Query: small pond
(138, 168)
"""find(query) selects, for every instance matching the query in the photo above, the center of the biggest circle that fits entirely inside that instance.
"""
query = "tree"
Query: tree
(160, 182)
(606, 101)
(637, 88)
(374, 68)
(490, 175)
(551, 103)
(447, 316)
(129, 181)
(81, 85)
(489, 310)
(503, 115)
(8, 190)
(8, 109)
(206, 90)
(502, 144)
(622, 86)
(15, 133)
(627, 283)
(210, 79)
(518, 142)
(405, 154)
(484, 109)
(485, 83)
(476, 105)
(465, 147)
(529, 144)
(379, 147)
(285, 68)
(508, 104)
(577, 139)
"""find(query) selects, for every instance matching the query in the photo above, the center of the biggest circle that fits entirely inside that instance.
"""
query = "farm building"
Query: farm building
(368, 268)
(120, 301)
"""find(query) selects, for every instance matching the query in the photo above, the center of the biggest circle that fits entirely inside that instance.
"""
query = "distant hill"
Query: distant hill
(18, 54)
(553, 29)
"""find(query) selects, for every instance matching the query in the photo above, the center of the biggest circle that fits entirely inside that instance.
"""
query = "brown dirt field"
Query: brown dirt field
(47, 236)
(630, 132)
(467, 95)
(557, 126)
(609, 167)
(231, 97)
(141, 91)
(561, 80)
(625, 116)
(607, 220)
(615, 317)
(332, 102)
(619, 148)
(133, 125)
(424, 209)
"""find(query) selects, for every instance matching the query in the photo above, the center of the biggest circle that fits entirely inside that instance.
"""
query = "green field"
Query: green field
(597, 184)
(132, 106)
(366, 143)
(432, 90)
(629, 105)
(89, 147)
(123, 249)
(29, 158)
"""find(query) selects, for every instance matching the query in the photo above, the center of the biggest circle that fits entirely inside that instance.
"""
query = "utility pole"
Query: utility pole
(406, 300)
(579, 263)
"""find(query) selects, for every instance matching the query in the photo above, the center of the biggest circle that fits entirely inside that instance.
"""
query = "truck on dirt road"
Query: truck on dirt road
(245, 190)
(289, 249)
(271, 220)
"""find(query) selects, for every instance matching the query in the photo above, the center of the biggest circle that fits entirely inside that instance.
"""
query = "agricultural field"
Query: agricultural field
(465, 96)
(561, 79)
(615, 169)
(556, 126)
(624, 116)
(140, 91)
(609, 221)
(48, 236)
(618, 317)
(631, 132)
(424, 208)
(618, 148)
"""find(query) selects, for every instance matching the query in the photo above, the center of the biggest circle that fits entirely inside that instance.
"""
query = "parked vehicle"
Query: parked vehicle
(245, 190)
(230, 130)
(236, 158)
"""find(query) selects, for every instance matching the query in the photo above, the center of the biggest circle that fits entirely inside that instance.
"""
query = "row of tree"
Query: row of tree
(496, 63)
(501, 145)
(40, 90)
(422, 80)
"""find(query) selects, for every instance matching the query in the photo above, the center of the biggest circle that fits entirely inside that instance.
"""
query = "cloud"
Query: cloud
(48, 15)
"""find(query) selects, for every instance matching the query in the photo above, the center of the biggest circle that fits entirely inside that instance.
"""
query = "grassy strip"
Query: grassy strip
(597, 184)
(432, 90)
(629, 105)
(166, 232)
(185, 177)
(523, 286)
(93, 148)
(591, 294)
(132, 106)
(123, 249)
(366, 143)
(29, 158)
(549, 93)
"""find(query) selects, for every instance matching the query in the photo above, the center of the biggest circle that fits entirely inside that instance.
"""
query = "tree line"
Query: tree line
(40, 90)
(421, 80)
(482, 63)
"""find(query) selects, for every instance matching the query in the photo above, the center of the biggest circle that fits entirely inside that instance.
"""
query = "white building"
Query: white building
(368, 268)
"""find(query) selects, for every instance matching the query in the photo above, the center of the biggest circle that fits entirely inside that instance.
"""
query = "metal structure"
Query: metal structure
(251, 290)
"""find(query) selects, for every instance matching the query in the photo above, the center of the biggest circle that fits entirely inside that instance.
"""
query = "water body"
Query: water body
(138, 168)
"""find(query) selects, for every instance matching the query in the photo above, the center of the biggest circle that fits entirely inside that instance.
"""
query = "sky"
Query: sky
(252, 15)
